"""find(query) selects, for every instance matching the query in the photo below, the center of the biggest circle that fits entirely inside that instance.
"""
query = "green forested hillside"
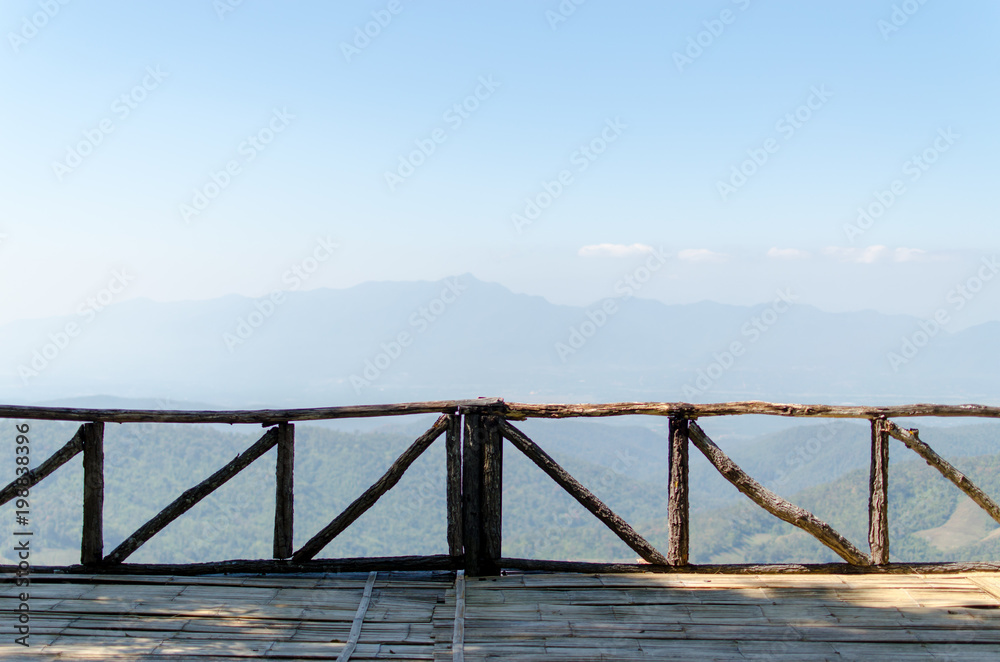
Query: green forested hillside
(147, 466)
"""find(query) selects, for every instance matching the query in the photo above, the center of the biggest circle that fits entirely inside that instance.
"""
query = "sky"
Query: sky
(844, 150)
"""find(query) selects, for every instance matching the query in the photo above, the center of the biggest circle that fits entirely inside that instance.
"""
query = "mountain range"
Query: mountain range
(462, 337)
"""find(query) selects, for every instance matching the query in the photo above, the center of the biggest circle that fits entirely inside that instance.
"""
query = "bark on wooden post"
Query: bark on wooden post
(284, 496)
(677, 503)
(453, 452)
(92, 541)
(492, 493)
(472, 495)
(878, 500)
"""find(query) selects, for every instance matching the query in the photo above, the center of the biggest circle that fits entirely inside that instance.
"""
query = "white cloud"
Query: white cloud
(701, 255)
(614, 250)
(787, 253)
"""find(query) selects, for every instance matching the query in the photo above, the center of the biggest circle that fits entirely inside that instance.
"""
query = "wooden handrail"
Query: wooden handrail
(266, 417)
(474, 429)
(510, 410)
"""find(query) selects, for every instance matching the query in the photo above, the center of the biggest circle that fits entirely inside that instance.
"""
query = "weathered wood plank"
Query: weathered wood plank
(372, 494)
(473, 440)
(518, 410)
(458, 633)
(92, 538)
(284, 497)
(913, 442)
(586, 498)
(773, 503)
(34, 476)
(453, 459)
(359, 619)
(255, 416)
(492, 492)
(677, 498)
(878, 493)
(192, 496)
(359, 564)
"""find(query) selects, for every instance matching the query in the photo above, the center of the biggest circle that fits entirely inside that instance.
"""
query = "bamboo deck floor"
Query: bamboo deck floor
(411, 616)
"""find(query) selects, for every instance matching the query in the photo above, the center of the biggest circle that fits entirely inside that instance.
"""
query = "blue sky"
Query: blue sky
(887, 82)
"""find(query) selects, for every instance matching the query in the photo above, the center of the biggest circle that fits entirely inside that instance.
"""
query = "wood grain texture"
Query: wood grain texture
(284, 492)
(677, 494)
(92, 536)
(453, 497)
(473, 440)
(517, 410)
(529, 617)
(878, 493)
(492, 492)
(261, 416)
(359, 620)
(512, 410)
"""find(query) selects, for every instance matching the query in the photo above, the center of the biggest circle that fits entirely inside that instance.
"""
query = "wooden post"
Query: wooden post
(453, 451)
(284, 496)
(472, 495)
(677, 503)
(492, 493)
(92, 540)
(878, 500)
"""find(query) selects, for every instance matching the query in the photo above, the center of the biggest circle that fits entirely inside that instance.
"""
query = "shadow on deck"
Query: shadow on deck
(523, 616)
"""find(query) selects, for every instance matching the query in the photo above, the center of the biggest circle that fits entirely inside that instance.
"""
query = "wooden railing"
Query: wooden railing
(474, 431)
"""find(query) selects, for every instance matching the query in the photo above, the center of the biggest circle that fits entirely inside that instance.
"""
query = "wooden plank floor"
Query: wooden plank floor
(518, 616)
